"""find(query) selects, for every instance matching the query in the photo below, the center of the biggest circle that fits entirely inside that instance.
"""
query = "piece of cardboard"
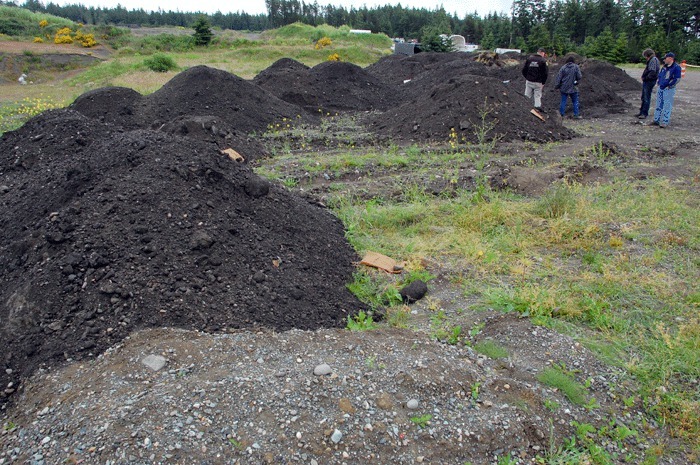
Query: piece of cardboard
(233, 155)
(537, 113)
(377, 260)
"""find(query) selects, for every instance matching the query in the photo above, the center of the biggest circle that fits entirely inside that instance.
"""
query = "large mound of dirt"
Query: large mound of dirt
(107, 231)
(234, 107)
(615, 77)
(331, 86)
(477, 107)
(598, 90)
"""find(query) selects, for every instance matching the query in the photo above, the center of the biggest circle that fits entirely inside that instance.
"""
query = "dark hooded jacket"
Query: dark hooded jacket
(535, 69)
(568, 78)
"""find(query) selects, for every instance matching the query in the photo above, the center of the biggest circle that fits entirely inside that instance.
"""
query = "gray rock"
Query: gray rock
(412, 404)
(323, 369)
(336, 436)
(154, 362)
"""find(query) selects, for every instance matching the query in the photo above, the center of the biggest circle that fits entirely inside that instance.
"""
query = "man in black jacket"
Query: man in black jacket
(649, 76)
(535, 73)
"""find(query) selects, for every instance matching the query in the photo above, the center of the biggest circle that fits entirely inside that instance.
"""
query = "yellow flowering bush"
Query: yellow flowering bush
(63, 36)
(86, 40)
(43, 23)
(334, 57)
(323, 42)
(38, 40)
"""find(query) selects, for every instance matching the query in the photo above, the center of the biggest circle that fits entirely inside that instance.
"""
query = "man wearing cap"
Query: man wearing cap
(669, 76)
(535, 73)
(649, 77)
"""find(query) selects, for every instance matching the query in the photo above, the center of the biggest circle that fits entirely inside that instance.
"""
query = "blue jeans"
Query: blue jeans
(647, 88)
(574, 100)
(664, 105)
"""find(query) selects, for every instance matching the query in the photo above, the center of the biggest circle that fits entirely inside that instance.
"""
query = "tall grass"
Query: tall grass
(620, 260)
(20, 22)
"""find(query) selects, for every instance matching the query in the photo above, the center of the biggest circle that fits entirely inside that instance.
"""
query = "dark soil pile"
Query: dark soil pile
(477, 107)
(598, 89)
(616, 78)
(106, 231)
(280, 70)
(331, 86)
(400, 68)
(234, 107)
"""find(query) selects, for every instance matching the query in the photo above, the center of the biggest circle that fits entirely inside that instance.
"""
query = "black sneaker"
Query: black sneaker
(540, 109)
(642, 116)
(654, 123)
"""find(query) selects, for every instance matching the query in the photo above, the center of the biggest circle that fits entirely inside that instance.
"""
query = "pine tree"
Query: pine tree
(202, 31)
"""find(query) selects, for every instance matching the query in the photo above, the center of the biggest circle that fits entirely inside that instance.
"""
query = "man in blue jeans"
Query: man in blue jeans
(649, 76)
(669, 76)
(567, 81)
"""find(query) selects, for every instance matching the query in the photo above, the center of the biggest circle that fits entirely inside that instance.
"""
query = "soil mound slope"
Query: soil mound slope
(238, 108)
(331, 86)
(477, 107)
(598, 88)
(106, 232)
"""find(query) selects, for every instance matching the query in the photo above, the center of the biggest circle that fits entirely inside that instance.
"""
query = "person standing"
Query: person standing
(567, 81)
(535, 73)
(669, 76)
(649, 77)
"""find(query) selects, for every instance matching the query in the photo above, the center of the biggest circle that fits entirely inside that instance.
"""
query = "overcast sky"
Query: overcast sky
(461, 7)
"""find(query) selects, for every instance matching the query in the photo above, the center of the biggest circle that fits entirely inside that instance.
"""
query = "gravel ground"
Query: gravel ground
(328, 396)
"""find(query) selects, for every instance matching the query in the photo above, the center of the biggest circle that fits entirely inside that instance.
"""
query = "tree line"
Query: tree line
(616, 30)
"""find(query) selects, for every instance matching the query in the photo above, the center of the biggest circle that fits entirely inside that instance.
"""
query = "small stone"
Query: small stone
(154, 362)
(46, 440)
(336, 436)
(412, 404)
(322, 369)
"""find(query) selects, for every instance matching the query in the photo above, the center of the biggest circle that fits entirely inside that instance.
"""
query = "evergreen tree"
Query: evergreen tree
(202, 31)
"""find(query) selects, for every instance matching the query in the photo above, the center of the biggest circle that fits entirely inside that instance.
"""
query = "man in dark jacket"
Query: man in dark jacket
(535, 73)
(567, 81)
(669, 76)
(649, 76)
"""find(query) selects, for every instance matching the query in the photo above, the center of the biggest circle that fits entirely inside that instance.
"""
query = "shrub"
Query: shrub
(63, 36)
(323, 42)
(160, 63)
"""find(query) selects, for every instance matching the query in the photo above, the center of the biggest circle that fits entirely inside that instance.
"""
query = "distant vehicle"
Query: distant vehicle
(501, 51)
(460, 44)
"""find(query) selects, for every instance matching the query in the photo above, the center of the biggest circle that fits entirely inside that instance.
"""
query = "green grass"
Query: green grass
(557, 378)
(491, 349)
(618, 260)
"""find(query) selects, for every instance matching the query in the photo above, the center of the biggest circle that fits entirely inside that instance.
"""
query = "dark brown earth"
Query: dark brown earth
(106, 231)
